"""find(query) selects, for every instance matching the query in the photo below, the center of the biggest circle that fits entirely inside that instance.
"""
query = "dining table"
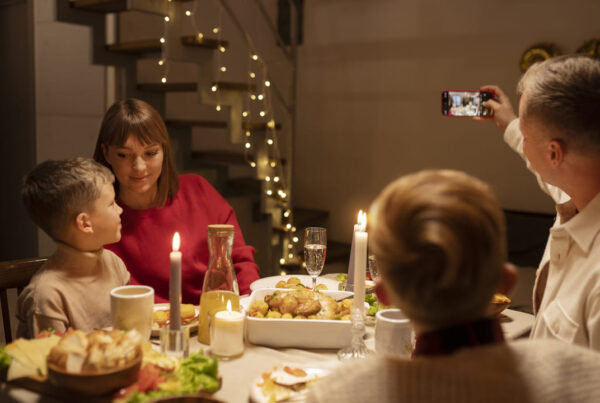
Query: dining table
(239, 376)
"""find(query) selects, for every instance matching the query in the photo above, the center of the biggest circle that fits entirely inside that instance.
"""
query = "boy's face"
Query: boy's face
(106, 216)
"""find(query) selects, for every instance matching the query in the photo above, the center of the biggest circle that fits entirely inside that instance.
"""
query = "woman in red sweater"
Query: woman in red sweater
(156, 202)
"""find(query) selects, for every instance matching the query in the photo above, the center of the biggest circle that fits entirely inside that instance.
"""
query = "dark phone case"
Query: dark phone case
(446, 108)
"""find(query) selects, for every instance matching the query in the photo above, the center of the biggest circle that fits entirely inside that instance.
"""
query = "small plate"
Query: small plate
(193, 325)
(270, 282)
(318, 369)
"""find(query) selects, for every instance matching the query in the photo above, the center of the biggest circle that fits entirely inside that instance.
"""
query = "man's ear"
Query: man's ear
(381, 292)
(84, 224)
(508, 278)
(556, 152)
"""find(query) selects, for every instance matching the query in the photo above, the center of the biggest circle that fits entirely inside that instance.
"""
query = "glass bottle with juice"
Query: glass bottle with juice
(220, 284)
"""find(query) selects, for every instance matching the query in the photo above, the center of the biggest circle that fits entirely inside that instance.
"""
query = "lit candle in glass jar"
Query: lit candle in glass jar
(227, 333)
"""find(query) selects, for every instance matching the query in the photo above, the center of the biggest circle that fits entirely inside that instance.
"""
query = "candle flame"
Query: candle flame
(229, 306)
(363, 221)
(360, 213)
(176, 242)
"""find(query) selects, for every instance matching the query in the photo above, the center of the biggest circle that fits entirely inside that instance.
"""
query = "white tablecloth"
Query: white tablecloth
(239, 374)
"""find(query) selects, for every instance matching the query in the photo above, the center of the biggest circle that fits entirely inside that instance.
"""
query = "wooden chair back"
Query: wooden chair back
(15, 274)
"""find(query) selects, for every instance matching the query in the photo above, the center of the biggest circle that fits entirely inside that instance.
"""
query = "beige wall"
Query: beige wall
(370, 77)
(70, 91)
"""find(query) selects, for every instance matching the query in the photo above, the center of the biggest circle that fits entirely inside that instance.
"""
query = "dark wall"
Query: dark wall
(18, 236)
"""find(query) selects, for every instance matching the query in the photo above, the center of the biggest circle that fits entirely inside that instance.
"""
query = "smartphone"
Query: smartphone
(466, 103)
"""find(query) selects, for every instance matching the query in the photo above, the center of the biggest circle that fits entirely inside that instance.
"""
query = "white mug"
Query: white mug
(393, 334)
(132, 307)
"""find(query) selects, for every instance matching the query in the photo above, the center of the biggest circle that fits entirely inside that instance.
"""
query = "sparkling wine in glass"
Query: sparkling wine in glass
(315, 249)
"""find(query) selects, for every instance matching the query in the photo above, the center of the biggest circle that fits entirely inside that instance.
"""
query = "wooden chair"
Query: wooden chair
(15, 274)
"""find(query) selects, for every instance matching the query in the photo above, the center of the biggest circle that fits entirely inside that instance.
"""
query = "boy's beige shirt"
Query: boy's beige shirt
(72, 289)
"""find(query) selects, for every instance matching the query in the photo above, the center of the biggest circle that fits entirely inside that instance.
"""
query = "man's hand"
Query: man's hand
(503, 110)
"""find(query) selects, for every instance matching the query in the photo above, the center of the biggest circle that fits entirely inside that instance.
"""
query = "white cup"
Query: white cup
(393, 334)
(132, 307)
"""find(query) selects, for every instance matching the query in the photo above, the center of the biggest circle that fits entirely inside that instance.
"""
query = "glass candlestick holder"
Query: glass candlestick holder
(357, 347)
(175, 343)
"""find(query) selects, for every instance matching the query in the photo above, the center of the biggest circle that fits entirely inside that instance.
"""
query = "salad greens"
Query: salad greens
(197, 373)
(5, 359)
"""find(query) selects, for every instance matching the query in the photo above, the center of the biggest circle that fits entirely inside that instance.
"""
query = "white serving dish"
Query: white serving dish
(300, 333)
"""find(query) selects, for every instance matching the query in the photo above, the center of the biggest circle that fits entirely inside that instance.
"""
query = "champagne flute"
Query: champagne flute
(315, 249)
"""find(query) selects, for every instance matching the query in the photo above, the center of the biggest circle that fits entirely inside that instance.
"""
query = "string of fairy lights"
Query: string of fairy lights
(259, 98)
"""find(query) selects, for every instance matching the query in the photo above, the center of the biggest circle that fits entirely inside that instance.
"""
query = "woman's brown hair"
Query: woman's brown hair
(133, 116)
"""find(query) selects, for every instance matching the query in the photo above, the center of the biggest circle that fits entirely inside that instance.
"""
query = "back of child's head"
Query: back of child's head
(55, 192)
(439, 239)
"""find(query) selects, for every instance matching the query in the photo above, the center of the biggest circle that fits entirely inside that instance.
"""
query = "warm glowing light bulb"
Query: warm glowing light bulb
(276, 179)
(262, 113)
(167, 19)
(291, 256)
(269, 192)
(267, 83)
(254, 57)
(271, 124)
(245, 113)
(248, 133)
(252, 97)
(163, 80)
(200, 35)
(218, 108)
(295, 239)
(270, 142)
(282, 273)
(188, 12)
(283, 195)
(213, 88)
(268, 178)
(223, 69)
(287, 213)
(253, 164)
(260, 96)
(248, 145)
(161, 62)
(293, 229)
(288, 226)
(252, 75)
(222, 49)
(273, 164)
(282, 261)
(162, 40)
(215, 30)
(290, 246)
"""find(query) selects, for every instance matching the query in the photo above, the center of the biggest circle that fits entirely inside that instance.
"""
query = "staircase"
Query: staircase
(203, 86)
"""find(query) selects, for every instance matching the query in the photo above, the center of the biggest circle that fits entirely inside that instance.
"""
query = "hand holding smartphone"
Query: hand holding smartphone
(466, 103)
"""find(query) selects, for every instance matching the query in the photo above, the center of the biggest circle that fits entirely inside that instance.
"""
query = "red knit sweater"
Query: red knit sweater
(147, 235)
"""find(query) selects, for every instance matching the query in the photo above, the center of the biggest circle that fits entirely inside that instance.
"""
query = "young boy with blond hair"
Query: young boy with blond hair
(73, 201)
(439, 239)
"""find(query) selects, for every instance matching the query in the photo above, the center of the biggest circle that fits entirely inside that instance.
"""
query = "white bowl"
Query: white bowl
(300, 333)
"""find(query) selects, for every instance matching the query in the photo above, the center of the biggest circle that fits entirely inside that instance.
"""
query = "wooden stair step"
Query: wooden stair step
(190, 87)
(233, 86)
(245, 185)
(213, 124)
(168, 87)
(220, 157)
(115, 6)
(208, 43)
(136, 47)
(308, 217)
(258, 126)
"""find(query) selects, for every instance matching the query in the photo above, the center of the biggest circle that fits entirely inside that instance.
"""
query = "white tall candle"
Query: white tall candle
(360, 265)
(350, 278)
(175, 285)
(227, 333)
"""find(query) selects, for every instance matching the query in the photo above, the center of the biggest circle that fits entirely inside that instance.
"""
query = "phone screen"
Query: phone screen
(465, 103)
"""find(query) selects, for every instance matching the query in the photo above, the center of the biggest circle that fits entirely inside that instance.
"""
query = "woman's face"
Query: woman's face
(137, 167)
